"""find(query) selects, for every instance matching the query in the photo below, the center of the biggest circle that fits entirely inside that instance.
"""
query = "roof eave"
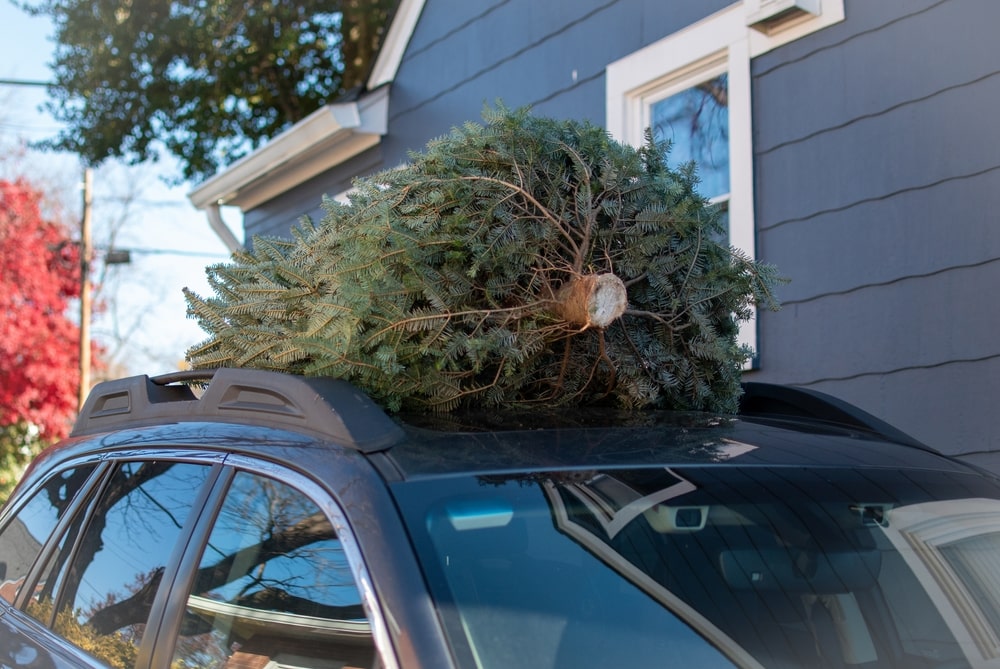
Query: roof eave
(324, 139)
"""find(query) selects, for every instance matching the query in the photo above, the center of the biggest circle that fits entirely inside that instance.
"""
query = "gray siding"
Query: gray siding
(277, 216)
(877, 185)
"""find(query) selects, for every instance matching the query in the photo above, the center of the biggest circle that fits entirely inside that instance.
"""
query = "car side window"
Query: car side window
(98, 588)
(22, 539)
(273, 587)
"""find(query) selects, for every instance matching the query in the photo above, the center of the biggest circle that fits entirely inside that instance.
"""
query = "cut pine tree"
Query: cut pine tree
(522, 261)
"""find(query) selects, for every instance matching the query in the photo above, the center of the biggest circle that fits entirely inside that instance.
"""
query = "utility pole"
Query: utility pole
(85, 287)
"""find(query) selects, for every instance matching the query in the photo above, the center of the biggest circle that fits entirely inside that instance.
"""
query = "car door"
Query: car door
(101, 553)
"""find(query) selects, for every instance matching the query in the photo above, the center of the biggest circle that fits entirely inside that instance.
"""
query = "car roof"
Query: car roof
(500, 442)
(268, 413)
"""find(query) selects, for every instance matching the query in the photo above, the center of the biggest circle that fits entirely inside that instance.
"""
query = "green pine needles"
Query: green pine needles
(520, 261)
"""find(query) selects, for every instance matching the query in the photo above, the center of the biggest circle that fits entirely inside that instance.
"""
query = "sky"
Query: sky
(144, 327)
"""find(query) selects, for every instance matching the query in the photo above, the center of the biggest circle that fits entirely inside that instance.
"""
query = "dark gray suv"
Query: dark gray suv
(272, 521)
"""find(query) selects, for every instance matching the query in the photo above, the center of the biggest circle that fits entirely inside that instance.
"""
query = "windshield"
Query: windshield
(713, 566)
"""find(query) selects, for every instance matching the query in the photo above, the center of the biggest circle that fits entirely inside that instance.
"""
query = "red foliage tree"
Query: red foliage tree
(39, 354)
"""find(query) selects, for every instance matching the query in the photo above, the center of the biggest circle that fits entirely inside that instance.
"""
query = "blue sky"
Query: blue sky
(147, 308)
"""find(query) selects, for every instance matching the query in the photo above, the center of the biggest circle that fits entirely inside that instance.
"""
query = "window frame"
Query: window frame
(725, 41)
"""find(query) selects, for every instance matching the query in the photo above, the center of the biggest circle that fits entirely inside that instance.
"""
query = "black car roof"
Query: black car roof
(267, 413)
(650, 438)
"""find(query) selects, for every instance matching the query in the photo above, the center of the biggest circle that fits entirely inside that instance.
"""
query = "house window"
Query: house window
(695, 120)
(693, 86)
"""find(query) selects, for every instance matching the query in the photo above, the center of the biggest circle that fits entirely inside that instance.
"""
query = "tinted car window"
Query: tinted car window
(24, 535)
(101, 583)
(714, 566)
(273, 585)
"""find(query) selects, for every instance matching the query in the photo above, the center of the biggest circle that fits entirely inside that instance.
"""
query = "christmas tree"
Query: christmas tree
(520, 261)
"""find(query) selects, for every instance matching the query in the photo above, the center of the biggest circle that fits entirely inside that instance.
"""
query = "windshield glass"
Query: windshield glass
(713, 566)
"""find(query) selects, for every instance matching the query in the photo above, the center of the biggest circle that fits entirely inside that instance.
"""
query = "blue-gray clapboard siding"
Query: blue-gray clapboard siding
(876, 168)
(277, 216)
(877, 193)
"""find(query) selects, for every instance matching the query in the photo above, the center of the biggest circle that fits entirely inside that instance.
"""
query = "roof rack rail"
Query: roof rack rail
(332, 408)
(775, 400)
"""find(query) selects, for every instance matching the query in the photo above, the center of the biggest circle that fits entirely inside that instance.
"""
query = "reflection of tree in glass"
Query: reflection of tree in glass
(696, 121)
(104, 577)
(62, 488)
(121, 486)
(273, 549)
(117, 650)
(113, 614)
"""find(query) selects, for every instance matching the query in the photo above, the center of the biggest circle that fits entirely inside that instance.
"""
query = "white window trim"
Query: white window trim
(728, 40)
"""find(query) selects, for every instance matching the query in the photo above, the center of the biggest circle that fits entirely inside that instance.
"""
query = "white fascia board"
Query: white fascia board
(641, 70)
(324, 139)
(404, 22)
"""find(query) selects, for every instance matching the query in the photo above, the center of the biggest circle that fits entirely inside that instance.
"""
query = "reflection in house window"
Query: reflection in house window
(696, 121)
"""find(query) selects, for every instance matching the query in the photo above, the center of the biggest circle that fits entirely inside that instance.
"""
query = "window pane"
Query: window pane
(696, 121)
(976, 561)
(273, 585)
(24, 536)
(105, 583)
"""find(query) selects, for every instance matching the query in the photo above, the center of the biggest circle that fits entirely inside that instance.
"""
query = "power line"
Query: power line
(23, 82)
(125, 199)
(175, 252)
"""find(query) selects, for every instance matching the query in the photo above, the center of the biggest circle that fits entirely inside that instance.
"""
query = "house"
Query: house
(853, 143)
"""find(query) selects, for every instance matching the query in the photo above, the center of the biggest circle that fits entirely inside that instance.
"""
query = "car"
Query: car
(253, 519)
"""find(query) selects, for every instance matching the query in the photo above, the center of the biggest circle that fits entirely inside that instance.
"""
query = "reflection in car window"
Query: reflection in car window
(273, 585)
(103, 584)
(713, 567)
(24, 536)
